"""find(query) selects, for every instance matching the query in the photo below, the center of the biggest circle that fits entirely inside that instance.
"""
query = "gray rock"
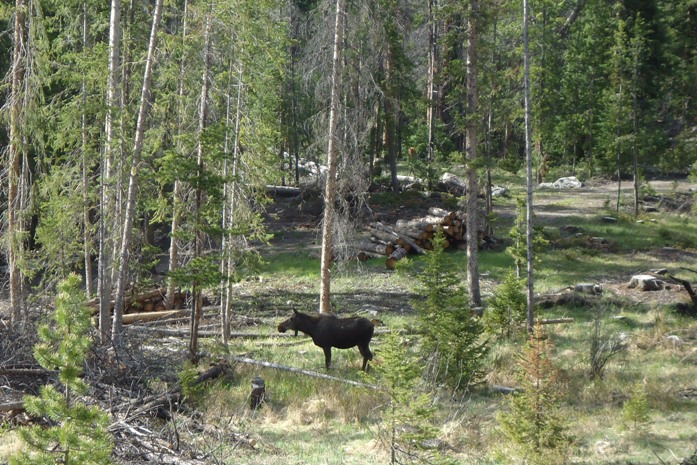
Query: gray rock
(645, 282)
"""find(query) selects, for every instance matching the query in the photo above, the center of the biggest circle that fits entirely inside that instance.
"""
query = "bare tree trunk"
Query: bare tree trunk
(86, 222)
(178, 188)
(332, 162)
(143, 112)
(475, 298)
(635, 148)
(232, 192)
(432, 61)
(106, 203)
(14, 223)
(197, 300)
(391, 116)
(528, 172)
(619, 152)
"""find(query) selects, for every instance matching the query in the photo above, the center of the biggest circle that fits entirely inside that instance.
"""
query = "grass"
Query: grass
(317, 422)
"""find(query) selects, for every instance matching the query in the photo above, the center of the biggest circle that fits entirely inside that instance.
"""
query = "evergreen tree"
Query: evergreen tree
(79, 434)
(532, 422)
(407, 422)
(507, 309)
(451, 332)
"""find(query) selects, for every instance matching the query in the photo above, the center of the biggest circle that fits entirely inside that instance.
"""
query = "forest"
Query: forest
(186, 159)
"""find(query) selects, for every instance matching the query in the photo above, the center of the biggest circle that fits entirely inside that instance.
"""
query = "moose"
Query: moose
(329, 331)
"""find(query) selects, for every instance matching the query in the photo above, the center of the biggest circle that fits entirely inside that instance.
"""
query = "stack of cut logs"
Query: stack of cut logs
(146, 306)
(414, 236)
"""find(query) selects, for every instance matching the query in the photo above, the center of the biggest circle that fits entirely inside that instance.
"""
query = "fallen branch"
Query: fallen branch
(152, 316)
(313, 374)
(12, 406)
(26, 372)
(553, 321)
(169, 398)
(187, 333)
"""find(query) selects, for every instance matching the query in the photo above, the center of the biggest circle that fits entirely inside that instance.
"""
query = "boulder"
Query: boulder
(570, 182)
(498, 191)
(453, 184)
(646, 282)
(589, 288)
(567, 183)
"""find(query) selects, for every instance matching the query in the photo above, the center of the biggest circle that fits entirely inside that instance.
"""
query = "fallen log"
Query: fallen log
(12, 407)
(370, 247)
(553, 321)
(387, 229)
(157, 295)
(301, 371)
(427, 223)
(168, 398)
(363, 255)
(394, 257)
(131, 318)
(283, 191)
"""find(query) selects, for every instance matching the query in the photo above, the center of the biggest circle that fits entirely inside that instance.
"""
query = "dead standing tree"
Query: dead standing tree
(332, 161)
(145, 104)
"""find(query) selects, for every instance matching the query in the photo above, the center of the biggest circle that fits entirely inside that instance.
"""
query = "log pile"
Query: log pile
(415, 236)
(146, 306)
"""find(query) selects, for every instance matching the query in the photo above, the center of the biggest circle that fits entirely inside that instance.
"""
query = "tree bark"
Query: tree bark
(197, 297)
(86, 221)
(332, 162)
(178, 188)
(145, 104)
(106, 204)
(431, 93)
(14, 223)
(475, 298)
(528, 173)
(234, 200)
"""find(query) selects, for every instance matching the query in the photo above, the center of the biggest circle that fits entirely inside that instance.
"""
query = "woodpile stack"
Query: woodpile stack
(146, 306)
(416, 236)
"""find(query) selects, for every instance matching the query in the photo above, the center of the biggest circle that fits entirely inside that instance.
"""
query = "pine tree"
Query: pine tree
(507, 309)
(407, 422)
(532, 423)
(79, 435)
(451, 333)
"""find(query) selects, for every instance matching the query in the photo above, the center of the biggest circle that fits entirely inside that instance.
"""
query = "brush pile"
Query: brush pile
(415, 236)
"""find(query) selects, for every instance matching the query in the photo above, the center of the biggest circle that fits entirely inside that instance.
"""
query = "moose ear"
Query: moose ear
(295, 311)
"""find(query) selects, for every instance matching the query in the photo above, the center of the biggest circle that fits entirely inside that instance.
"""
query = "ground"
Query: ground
(289, 281)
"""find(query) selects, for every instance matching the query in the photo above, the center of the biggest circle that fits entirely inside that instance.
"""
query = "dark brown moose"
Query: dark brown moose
(329, 331)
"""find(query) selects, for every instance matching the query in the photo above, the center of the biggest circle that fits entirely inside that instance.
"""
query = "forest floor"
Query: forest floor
(289, 281)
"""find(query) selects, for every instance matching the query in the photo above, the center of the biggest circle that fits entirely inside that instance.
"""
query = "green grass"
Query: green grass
(314, 421)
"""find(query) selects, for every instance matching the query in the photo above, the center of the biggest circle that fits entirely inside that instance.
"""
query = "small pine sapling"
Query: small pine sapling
(507, 309)
(532, 423)
(635, 411)
(518, 250)
(407, 426)
(79, 433)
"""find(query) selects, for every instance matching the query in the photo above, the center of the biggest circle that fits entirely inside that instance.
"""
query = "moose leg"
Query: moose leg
(327, 356)
(367, 355)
